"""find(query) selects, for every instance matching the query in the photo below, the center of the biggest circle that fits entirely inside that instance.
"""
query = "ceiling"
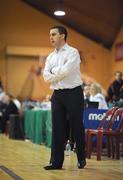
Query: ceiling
(99, 20)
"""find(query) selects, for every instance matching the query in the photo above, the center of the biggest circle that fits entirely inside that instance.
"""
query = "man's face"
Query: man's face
(56, 38)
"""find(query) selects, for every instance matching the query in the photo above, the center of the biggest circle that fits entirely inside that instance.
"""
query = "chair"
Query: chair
(116, 135)
(104, 124)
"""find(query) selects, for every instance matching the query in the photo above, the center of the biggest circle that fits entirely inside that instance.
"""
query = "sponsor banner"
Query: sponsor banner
(92, 118)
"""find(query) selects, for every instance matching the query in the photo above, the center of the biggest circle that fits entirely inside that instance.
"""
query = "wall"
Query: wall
(21, 25)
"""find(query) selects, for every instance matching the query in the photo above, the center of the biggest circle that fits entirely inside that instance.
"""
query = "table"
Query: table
(38, 126)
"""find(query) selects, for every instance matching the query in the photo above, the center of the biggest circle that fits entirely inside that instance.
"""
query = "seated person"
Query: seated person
(86, 92)
(113, 92)
(97, 96)
(9, 108)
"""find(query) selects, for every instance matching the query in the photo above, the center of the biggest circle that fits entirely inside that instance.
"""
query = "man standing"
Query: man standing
(62, 70)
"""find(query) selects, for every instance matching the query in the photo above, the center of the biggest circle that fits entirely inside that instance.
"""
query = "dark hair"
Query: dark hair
(118, 72)
(62, 30)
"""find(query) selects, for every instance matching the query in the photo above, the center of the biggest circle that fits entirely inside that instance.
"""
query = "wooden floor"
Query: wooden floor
(26, 160)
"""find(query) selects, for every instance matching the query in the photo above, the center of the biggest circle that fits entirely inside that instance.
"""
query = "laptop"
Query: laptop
(93, 104)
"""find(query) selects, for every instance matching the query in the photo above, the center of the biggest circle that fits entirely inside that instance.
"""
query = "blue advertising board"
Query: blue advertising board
(92, 117)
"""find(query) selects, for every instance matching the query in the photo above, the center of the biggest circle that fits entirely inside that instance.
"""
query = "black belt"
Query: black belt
(67, 89)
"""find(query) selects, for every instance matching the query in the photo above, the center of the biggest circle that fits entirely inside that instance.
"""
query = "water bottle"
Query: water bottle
(68, 149)
(74, 147)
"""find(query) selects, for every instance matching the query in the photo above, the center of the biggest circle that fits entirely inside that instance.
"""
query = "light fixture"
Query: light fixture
(59, 11)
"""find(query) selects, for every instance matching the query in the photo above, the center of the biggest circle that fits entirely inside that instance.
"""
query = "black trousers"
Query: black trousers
(67, 102)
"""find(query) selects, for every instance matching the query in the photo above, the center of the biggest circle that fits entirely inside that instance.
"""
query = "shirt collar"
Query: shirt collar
(62, 48)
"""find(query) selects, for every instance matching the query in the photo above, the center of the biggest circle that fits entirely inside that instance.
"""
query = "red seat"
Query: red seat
(116, 135)
(104, 125)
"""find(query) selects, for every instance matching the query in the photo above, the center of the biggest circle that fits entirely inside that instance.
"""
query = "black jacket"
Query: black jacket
(114, 91)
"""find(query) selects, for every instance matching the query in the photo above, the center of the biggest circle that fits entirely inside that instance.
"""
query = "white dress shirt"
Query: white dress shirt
(62, 68)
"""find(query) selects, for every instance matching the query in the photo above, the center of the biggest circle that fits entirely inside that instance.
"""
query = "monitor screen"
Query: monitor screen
(92, 104)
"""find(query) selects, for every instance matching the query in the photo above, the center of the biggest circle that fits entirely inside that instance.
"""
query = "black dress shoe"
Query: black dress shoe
(82, 164)
(51, 167)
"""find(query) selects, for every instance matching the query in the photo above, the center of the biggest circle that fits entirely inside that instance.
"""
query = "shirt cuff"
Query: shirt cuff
(55, 70)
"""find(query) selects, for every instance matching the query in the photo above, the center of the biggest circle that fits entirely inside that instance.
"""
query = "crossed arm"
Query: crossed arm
(58, 73)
